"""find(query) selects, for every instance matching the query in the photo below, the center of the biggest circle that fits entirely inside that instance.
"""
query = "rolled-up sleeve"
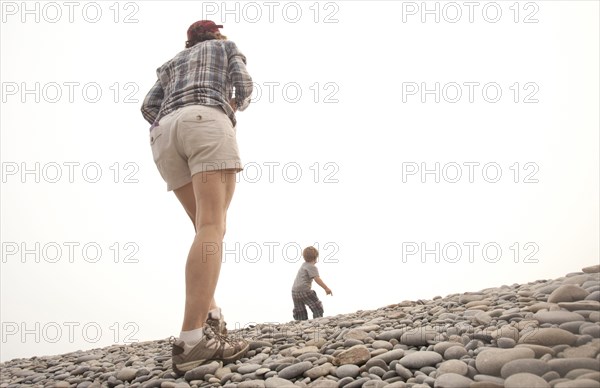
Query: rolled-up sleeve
(239, 76)
(152, 102)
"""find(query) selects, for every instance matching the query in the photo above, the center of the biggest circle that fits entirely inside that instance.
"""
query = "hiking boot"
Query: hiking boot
(212, 347)
(218, 325)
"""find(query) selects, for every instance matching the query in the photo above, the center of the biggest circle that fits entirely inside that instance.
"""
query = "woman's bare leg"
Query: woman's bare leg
(207, 198)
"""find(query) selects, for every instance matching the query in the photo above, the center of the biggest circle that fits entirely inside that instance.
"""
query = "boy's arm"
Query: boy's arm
(322, 284)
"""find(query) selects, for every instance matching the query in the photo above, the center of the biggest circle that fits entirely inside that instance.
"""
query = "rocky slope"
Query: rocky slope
(540, 334)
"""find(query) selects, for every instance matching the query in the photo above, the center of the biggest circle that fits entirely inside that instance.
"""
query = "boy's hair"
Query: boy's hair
(310, 254)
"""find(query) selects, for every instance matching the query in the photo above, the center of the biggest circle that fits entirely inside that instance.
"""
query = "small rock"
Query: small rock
(356, 334)
(390, 356)
(294, 370)
(318, 371)
(347, 370)
(491, 360)
(452, 380)
(557, 317)
(126, 374)
(358, 355)
(567, 293)
(525, 380)
(306, 349)
(564, 365)
(277, 382)
(455, 352)
(252, 384)
(452, 366)
(592, 269)
(483, 318)
(420, 359)
(322, 383)
(537, 367)
(548, 337)
(506, 343)
(198, 373)
(248, 368)
(403, 372)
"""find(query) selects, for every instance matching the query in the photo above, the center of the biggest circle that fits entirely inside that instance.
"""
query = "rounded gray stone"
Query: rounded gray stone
(593, 330)
(126, 374)
(567, 293)
(294, 370)
(557, 317)
(537, 367)
(377, 371)
(525, 380)
(453, 366)
(441, 347)
(358, 355)
(506, 343)
(418, 337)
(420, 359)
(403, 372)
(373, 384)
(380, 344)
(319, 371)
(455, 352)
(198, 373)
(548, 337)
(491, 360)
(377, 362)
(575, 373)
(452, 380)
(564, 365)
(579, 383)
(591, 269)
(276, 382)
(390, 356)
(248, 368)
(321, 383)
(348, 370)
(388, 335)
(252, 384)
(593, 296)
(483, 318)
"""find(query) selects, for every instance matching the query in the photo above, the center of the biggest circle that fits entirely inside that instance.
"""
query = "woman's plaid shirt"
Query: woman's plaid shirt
(205, 74)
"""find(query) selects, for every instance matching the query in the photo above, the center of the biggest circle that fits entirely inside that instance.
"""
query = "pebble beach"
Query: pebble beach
(542, 334)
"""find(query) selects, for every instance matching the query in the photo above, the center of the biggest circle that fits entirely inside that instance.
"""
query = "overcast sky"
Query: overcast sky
(425, 150)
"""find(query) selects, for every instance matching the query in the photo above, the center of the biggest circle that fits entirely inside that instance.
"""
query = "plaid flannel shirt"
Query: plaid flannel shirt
(205, 74)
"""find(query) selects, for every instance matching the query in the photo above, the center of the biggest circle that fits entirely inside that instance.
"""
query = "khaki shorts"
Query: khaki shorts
(193, 139)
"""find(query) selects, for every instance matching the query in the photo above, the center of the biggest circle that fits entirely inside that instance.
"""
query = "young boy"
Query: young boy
(302, 294)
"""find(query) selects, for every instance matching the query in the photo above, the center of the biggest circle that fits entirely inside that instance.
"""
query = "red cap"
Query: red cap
(202, 26)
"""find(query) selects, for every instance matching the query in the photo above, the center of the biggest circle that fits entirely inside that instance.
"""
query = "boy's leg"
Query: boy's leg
(312, 300)
(300, 313)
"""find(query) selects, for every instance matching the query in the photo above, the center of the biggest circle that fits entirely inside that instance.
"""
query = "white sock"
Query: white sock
(215, 314)
(191, 338)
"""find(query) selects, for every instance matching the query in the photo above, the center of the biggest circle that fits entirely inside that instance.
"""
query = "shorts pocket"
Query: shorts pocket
(154, 137)
(158, 138)
(197, 116)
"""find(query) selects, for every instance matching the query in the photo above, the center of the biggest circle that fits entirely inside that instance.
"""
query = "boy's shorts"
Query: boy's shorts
(193, 139)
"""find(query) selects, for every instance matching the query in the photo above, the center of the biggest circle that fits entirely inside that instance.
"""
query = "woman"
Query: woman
(193, 139)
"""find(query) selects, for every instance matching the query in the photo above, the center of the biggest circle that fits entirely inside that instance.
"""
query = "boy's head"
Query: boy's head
(310, 254)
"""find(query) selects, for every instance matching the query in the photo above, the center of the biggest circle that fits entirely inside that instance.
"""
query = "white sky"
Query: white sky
(356, 134)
